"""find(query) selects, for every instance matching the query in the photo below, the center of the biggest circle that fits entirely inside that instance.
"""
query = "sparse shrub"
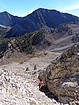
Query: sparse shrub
(35, 67)
(1, 55)
(21, 62)
(69, 54)
(66, 55)
(45, 53)
(27, 69)
(63, 58)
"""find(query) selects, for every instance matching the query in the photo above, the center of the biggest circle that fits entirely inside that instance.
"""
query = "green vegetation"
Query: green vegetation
(69, 54)
(24, 44)
(66, 55)
(4, 41)
(37, 37)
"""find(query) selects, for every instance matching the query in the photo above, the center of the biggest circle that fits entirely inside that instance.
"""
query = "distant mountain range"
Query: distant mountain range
(42, 38)
(40, 18)
(41, 30)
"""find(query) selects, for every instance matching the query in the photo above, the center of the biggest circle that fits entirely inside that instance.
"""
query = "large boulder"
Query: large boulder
(62, 76)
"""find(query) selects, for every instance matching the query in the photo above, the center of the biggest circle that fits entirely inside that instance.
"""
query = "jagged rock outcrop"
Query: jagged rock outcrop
(62, 76)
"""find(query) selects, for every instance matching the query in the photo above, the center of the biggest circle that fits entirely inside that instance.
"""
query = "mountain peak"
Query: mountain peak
(41, 9)
(37, 19)
(4, 12)
(45, 9)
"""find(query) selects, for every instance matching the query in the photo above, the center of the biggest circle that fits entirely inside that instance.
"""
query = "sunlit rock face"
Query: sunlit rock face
(62, 76)
(14, 89)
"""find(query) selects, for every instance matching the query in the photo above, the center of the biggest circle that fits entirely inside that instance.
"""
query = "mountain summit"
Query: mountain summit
(36, 20)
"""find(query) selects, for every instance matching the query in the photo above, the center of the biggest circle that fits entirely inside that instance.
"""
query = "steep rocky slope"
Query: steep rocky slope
(7, 19)
(58, 39)
(19, 85)
(62, 76)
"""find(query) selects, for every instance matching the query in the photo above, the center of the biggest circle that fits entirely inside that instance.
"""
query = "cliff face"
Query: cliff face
(62, 76)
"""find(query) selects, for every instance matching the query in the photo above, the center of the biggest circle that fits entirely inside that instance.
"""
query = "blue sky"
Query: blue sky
(24, 7)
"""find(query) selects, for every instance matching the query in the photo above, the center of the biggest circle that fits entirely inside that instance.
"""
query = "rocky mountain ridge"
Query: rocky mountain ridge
(57, 39)
(36, 20)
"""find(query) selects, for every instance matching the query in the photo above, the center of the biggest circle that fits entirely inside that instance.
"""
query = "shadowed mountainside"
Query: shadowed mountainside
(36, 20)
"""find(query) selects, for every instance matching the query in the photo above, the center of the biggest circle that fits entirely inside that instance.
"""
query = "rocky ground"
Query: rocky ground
(62, 76)
(19, 85)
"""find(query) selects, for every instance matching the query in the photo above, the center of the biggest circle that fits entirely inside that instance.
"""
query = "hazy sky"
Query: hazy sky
(24, 7)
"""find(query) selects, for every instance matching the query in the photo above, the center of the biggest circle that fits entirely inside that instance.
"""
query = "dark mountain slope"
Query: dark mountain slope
(3, 30)
(7, 19)
(51, 18)
(15, 31)
(36, 20)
